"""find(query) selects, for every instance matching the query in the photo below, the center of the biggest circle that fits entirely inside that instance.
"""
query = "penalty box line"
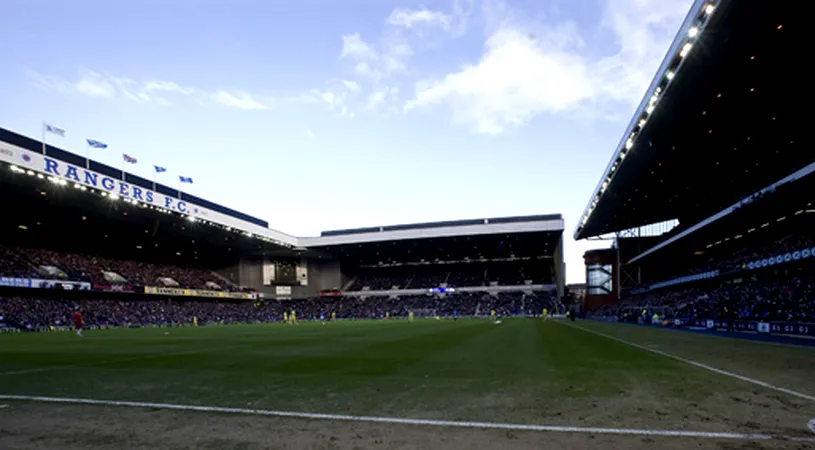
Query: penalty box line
(403, 421)
(700, 365)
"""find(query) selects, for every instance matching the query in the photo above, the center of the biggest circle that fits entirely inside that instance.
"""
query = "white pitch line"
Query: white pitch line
(811, 425)
(402, 421)
(700, 365)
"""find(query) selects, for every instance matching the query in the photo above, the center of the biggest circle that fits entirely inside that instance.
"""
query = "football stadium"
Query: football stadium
(136, 315)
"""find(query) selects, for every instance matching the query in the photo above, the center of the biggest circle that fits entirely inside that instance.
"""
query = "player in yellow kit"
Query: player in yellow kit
(410, 316)
(285, 317)
(195, 321)
(293, 317)
(492, 315)
(333, 316)
(545, 314)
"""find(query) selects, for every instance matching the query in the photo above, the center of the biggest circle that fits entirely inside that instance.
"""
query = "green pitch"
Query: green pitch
(521, 371)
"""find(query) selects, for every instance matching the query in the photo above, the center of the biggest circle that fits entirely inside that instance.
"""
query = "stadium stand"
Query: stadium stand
(708, 198)
(41, 314)
(101, 271)
(476, 273)
(129, 252)
(415, 259)
(767, 297)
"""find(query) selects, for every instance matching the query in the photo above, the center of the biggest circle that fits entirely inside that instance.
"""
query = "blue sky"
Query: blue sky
(317, 114)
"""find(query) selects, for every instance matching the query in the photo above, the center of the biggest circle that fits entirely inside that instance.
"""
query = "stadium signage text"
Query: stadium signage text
(52, 167)
(179, 292)
(94, 180)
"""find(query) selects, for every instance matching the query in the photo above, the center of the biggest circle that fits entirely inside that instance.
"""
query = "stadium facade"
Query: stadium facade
(67, 203)
(711, 184)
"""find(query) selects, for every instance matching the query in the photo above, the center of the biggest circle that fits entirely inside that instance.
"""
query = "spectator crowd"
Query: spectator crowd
(99, 271)
(39, 313)
(783, 295)
(476, 273)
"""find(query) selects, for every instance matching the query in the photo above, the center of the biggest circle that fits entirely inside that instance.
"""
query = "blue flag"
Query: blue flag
(96, 144)
(160, 169)
(185, 179)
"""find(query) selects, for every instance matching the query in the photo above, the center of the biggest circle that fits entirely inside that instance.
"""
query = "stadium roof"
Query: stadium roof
(719, 121)
(45, 214)
(26, 154)
(58, 170)
(473, 227)
(780, 203)
(449, 249)
(462, 240)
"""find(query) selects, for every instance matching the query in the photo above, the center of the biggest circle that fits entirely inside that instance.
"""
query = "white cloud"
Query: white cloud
(408, 18)
(49, 83)
(530, 69)
(643, 31)
(382, 95)
(99, 85)
(238, 100)
(336, 98)
(375, 64)
(309, 133)
(354, 47)
(167, 86)
(462, 13)
(95, 85)
(352, 86)
(389, 54)
(516, 78)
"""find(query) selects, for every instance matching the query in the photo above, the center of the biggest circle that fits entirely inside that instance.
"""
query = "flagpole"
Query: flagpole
(179, 189)
(123, 167)
(155, 173)
(88, 156)
(43, 138)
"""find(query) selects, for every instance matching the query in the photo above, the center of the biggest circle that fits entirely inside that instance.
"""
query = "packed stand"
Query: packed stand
(39, 314)
(469, 274)
(101, 271)
(473, 274)
(12, 264)
(381, 278)
(787, 296)
(429, 276)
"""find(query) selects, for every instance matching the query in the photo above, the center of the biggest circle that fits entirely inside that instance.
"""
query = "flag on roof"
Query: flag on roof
(53, 129)
(96, 144)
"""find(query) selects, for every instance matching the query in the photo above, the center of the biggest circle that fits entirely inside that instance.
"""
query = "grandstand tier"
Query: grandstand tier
(710, 194)
(80, 225)
(520, 251)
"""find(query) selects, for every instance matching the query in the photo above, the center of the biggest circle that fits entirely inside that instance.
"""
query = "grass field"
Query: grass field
(523, 371)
